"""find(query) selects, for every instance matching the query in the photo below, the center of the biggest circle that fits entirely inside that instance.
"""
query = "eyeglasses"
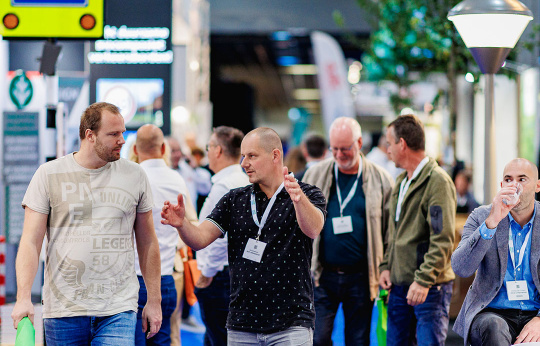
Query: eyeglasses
(208, 146)
(343, 150)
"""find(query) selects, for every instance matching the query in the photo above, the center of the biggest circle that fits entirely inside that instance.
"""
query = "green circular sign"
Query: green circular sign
(21, 90)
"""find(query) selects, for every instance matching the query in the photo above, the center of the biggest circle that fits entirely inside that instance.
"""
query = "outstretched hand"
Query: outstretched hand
(172, 214)
(292, 186)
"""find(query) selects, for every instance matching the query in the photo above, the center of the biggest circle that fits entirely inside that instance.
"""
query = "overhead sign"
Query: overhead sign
(51, 18)
(126, 45)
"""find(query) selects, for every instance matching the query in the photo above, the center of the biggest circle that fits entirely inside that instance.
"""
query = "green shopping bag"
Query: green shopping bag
(382, 309)
(26, 334)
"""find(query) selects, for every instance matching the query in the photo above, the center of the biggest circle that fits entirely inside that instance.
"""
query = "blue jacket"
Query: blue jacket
(489, 259)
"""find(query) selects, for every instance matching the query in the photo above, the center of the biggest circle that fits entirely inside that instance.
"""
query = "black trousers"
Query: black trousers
(498, 326)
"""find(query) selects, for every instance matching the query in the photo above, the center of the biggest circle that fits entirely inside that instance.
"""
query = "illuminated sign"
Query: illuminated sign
(126, 45)
(51, 18)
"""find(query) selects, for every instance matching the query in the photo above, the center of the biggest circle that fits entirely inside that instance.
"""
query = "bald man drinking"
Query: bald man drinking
(501, 243)
(165, 183)
(270, 226)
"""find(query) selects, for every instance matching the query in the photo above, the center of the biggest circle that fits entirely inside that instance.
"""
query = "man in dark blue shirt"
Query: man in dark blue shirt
(270, 226)
(501, 243)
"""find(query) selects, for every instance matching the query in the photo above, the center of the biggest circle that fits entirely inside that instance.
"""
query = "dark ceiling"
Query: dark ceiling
(257, 59)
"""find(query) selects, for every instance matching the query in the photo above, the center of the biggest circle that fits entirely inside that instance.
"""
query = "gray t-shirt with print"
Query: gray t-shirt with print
(89, 269)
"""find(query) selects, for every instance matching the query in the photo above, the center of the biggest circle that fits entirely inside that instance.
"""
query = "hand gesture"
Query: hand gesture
(499, 209)
(22, 309)
(173, 214)
(151, 319)
(291, 185)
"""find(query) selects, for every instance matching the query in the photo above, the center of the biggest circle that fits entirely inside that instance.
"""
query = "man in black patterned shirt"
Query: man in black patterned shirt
(270, 226)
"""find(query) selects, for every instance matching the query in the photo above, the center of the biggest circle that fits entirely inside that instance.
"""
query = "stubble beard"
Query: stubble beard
(106, 154)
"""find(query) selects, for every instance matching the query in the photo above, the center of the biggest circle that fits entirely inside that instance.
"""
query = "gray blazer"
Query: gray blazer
(488, 258)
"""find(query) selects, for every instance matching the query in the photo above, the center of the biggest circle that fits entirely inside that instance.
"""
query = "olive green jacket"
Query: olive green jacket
(420, 244)
(377, 186)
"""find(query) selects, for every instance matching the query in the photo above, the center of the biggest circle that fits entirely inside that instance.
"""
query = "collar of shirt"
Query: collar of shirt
(515, 227)
(406, 183)
(154, 163)
(225, 172)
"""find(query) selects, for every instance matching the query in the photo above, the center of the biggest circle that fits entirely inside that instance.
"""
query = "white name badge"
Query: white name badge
(342, 224)
(254, 250)
(517, 290)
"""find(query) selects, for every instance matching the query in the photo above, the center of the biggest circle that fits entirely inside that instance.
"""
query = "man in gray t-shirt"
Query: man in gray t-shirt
(89, 203)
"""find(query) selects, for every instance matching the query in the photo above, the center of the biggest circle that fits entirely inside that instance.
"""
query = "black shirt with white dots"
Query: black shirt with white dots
(276, 293)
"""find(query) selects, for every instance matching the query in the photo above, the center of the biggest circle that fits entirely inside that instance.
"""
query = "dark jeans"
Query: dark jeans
(214, 304)
(168, 303)
(498, 327)
(427, 322)
(352, 290)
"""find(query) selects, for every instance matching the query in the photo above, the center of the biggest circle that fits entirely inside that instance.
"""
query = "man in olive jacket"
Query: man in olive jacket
(346, 256)
(416, 265)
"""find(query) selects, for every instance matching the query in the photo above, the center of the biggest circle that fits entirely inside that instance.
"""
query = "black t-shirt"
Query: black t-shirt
(276, 293)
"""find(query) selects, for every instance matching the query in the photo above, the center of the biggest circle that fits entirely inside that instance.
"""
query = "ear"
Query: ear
(537, 186)
(360, 142)
(276, 155)
(135, 149)
(163, 149)
(402, 144)
(89, 135)
(220, 151)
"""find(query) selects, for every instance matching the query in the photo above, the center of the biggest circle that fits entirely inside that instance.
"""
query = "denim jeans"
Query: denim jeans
(353, 291)
(293, 336)
(168, 303)
(115, 330)
(427, 322)
(495, 327)
(214, 303)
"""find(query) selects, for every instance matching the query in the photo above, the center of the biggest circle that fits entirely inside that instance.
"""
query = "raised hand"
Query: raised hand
(291, 185)
(499, 209)
(172, 214)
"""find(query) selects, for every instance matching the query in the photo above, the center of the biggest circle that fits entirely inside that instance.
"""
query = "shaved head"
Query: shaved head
(268, 139)
(149, 139)
(524, 164)
(344, 125)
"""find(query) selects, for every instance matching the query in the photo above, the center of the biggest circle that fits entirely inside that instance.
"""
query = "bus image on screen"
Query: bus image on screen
(36, 19)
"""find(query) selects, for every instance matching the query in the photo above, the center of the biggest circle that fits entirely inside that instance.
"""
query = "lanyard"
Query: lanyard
(343, 204)
(521, 251)
(266, 211)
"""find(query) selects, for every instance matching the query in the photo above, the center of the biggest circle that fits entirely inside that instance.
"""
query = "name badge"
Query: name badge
(254, 250)
(342, 224)
(517, 290)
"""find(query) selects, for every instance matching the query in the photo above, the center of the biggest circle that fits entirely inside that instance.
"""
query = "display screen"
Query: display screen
(49, 3)
(140, 99)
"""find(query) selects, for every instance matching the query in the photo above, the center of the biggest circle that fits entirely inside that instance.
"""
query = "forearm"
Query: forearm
(198, 237)
(309, 217)
(150, 264)
(26, 268)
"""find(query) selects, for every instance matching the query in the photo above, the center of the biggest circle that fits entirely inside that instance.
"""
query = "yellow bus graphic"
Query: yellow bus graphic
(48, 18)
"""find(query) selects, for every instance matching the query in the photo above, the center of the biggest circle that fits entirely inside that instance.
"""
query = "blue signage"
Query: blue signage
(49, 3)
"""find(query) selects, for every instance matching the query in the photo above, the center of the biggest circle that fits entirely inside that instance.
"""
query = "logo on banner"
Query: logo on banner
(21, 90)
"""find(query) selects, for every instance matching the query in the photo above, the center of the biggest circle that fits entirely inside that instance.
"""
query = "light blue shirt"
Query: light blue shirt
(522, 272)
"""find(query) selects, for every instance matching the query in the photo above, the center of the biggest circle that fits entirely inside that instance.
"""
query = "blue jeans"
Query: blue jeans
(214, 303)
(293, 336)
(168, 303)
(427, 322)
(353, 291)
(115, 330)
